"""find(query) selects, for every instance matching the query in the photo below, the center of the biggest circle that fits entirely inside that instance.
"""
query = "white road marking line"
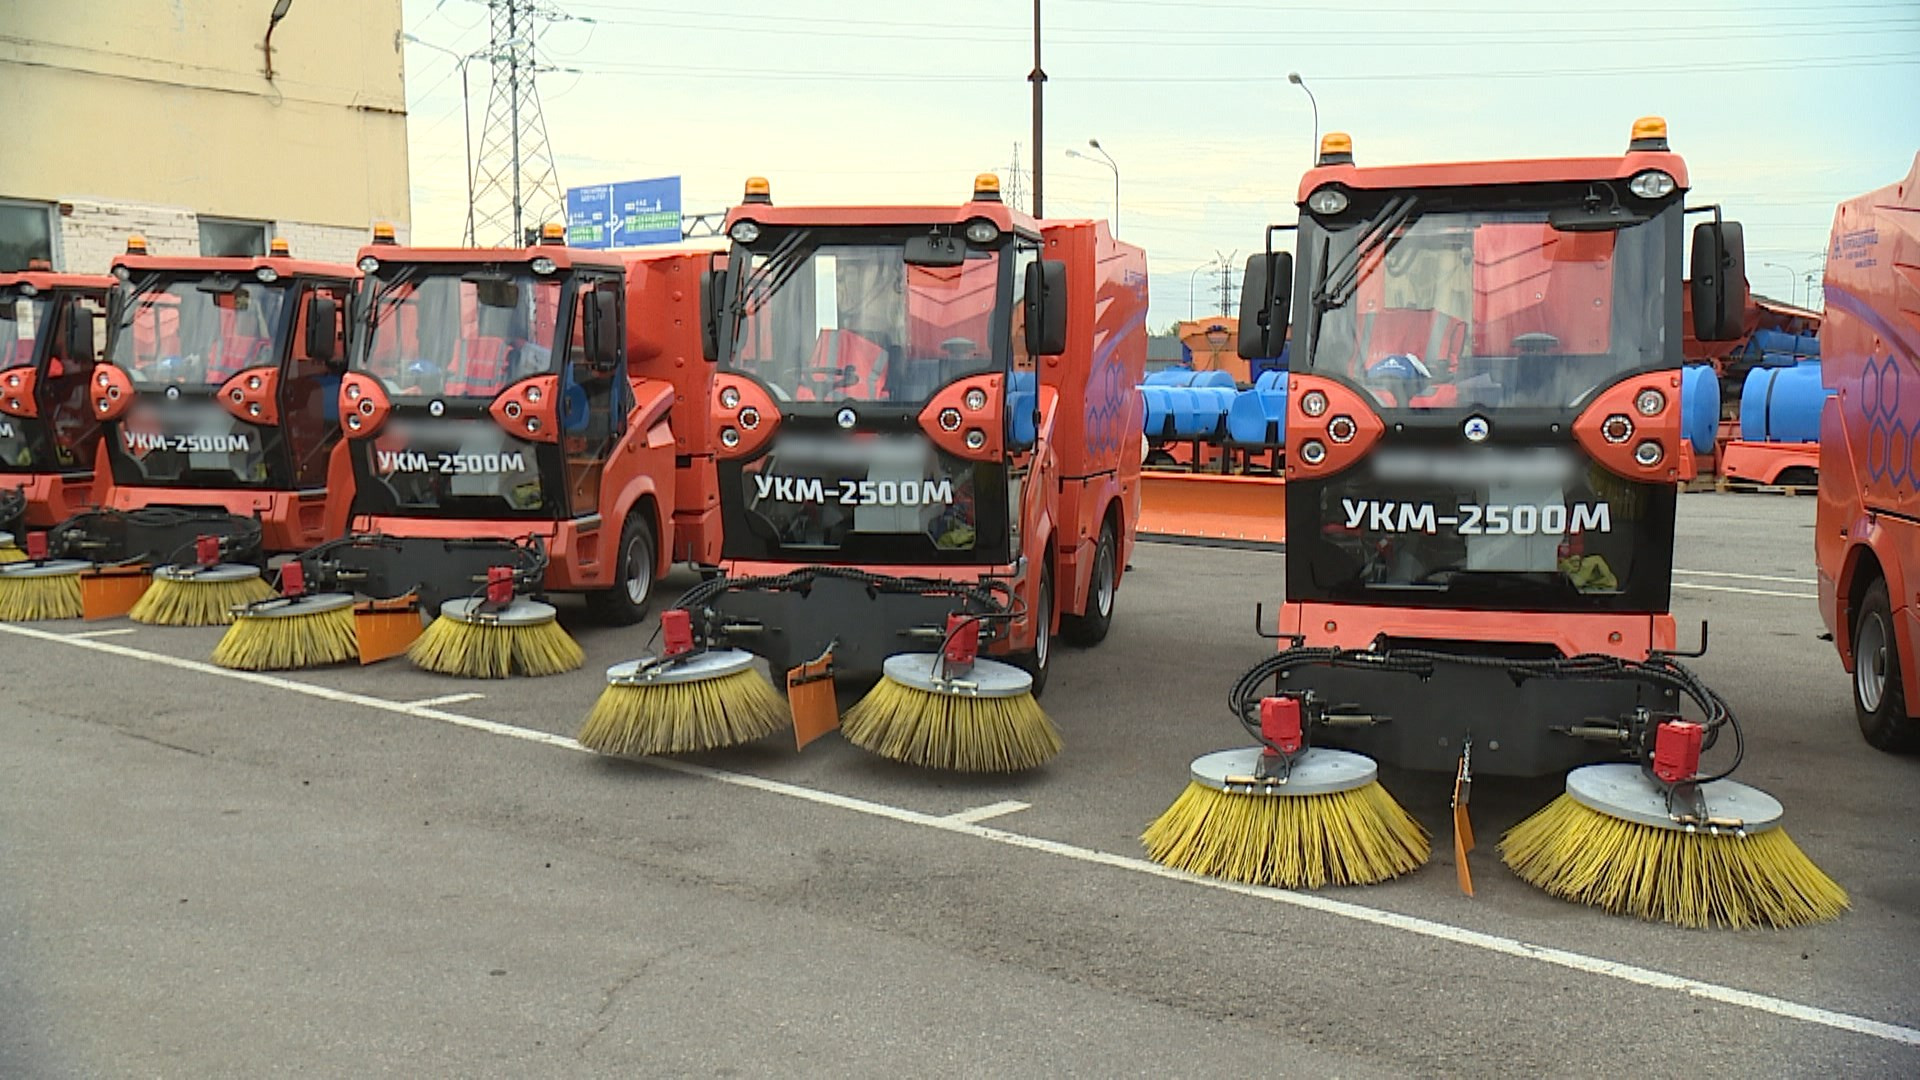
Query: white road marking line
(101, 633)
(991, 810)
(445, 699)
(1744, 592)
(1746, 577)
(1592, 965)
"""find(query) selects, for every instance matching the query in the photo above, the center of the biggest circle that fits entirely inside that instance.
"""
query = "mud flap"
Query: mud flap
(810, 694)
(1462, 820)
(385, 628)
(1197, 506)
(111, 592)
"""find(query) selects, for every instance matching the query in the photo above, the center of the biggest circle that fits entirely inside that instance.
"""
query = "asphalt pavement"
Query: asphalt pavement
(370, 872)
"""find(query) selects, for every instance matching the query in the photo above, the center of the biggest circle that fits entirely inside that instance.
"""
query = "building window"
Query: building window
(232, 237)
(26, 233)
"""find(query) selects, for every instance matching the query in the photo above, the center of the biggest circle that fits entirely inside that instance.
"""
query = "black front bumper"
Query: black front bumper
(864, 622)
(433, 569)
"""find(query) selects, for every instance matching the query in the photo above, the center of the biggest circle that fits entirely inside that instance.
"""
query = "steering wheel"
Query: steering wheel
(1535, 343)
(828, 379)
(960, 348)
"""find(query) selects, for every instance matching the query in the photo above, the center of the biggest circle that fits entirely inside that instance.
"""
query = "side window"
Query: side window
(591, 406)
(310, 399)
(1025, 255)
(26, 233)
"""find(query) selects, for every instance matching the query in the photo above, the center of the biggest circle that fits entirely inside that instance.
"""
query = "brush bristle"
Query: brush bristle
(50, 596)
(11, 553)
(1357, 837)
(187, 602)
(680, 718)
(479, 650)
(288, 642)
(1665, 875)
(951, 731)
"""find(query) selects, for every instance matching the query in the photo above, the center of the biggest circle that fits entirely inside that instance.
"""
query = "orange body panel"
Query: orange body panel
(1356, 626)
(1242, 508)
(1472, 173)
(290, 521)
(1867, 525)
(1763, 462)
(53, 497)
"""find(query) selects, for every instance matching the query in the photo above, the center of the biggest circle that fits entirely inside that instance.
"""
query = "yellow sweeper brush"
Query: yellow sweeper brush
(682, 701)
(1325, 821)
(9, 551)
(931, 711)
(201, 595)
(293, 630)
(40, 588)
(479, 638)
(1714, 856)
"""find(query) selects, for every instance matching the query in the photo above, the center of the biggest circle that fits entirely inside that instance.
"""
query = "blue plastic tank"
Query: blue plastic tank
(1783, 404)
(1699, 406)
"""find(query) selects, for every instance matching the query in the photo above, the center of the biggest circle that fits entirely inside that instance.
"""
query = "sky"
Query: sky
(1781, 108)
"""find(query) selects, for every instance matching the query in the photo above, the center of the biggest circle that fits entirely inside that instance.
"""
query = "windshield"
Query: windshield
(829, 321)
(1433, 308)
(197, 331)
(21, 319)
(457, 332)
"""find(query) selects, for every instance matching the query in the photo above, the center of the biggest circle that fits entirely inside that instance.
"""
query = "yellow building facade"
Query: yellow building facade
(161, 117)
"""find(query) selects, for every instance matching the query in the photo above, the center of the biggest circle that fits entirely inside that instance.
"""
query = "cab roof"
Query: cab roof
(48, 280)
(240, 265)
(1465, 174)
(564, 258)
(1003, 216)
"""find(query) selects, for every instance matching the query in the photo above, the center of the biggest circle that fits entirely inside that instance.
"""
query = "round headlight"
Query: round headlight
(123, 273)
(1327, 200)
(353, 391)
(1647, 453)
(267, 274)
(981, 231)
(1616, 428)
(1652, 184)
(729, 438)
(749, 418)
(533, 394)
(29, 290)
(533, 424)
(1342, 429)
(1313, 403)
(353, 422)
(744, 232)
(950, 419)
(1313, 452)
(368, 264)
(976, 439)
(976, 399)
(1650, 402)
(729, 398)
(542, 265)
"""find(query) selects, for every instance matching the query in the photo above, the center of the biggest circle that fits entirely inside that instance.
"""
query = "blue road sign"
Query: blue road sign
(627, 214)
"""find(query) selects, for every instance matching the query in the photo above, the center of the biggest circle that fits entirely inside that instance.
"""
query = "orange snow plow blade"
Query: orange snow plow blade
(1197, 506)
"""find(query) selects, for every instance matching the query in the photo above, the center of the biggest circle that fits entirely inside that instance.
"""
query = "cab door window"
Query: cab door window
(593, 403)
(310, 391)
(71, 422)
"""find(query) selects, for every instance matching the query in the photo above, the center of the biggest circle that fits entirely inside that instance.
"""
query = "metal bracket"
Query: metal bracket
(1260, 628)
(1690, 655)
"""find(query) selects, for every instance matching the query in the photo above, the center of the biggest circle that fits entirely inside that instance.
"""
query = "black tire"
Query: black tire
(1879, 700)
(1038, 661)
(1091, 626)
(626, 602)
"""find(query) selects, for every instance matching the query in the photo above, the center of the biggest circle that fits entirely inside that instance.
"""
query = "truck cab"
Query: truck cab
(52, 333)
(220, 383)
(500, 396)
(1485, 440)
(940, 395)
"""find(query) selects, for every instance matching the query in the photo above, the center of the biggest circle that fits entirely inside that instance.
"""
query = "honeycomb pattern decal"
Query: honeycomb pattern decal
(1893, 449)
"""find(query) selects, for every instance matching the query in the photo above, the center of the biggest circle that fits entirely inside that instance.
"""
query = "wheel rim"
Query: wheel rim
(1043, 630)
(1103, 562)
(639, 572)
(1870, 663)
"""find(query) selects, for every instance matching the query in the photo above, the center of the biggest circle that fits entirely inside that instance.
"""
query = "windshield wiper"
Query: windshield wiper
(1338, 281)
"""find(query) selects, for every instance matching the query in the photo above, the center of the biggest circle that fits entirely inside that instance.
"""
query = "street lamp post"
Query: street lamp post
(1190, 279)
(1107, 160)
(1793, 281)
(466, 114)
(1294, 78)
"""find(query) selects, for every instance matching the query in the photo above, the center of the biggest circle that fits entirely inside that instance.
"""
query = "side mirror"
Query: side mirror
(1719, 281)
(78, 347)
(1266, 301)
(603, 330)
(323, 329)
(709, 315)
(934, 251)
(1046, 308)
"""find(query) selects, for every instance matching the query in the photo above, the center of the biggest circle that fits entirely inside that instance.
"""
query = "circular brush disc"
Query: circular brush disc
(1319, 771)
(285, 607)
(717, 664)
(1624, 792)
(521, 612)
(50, 568)
(988, 679)
(218, 574)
